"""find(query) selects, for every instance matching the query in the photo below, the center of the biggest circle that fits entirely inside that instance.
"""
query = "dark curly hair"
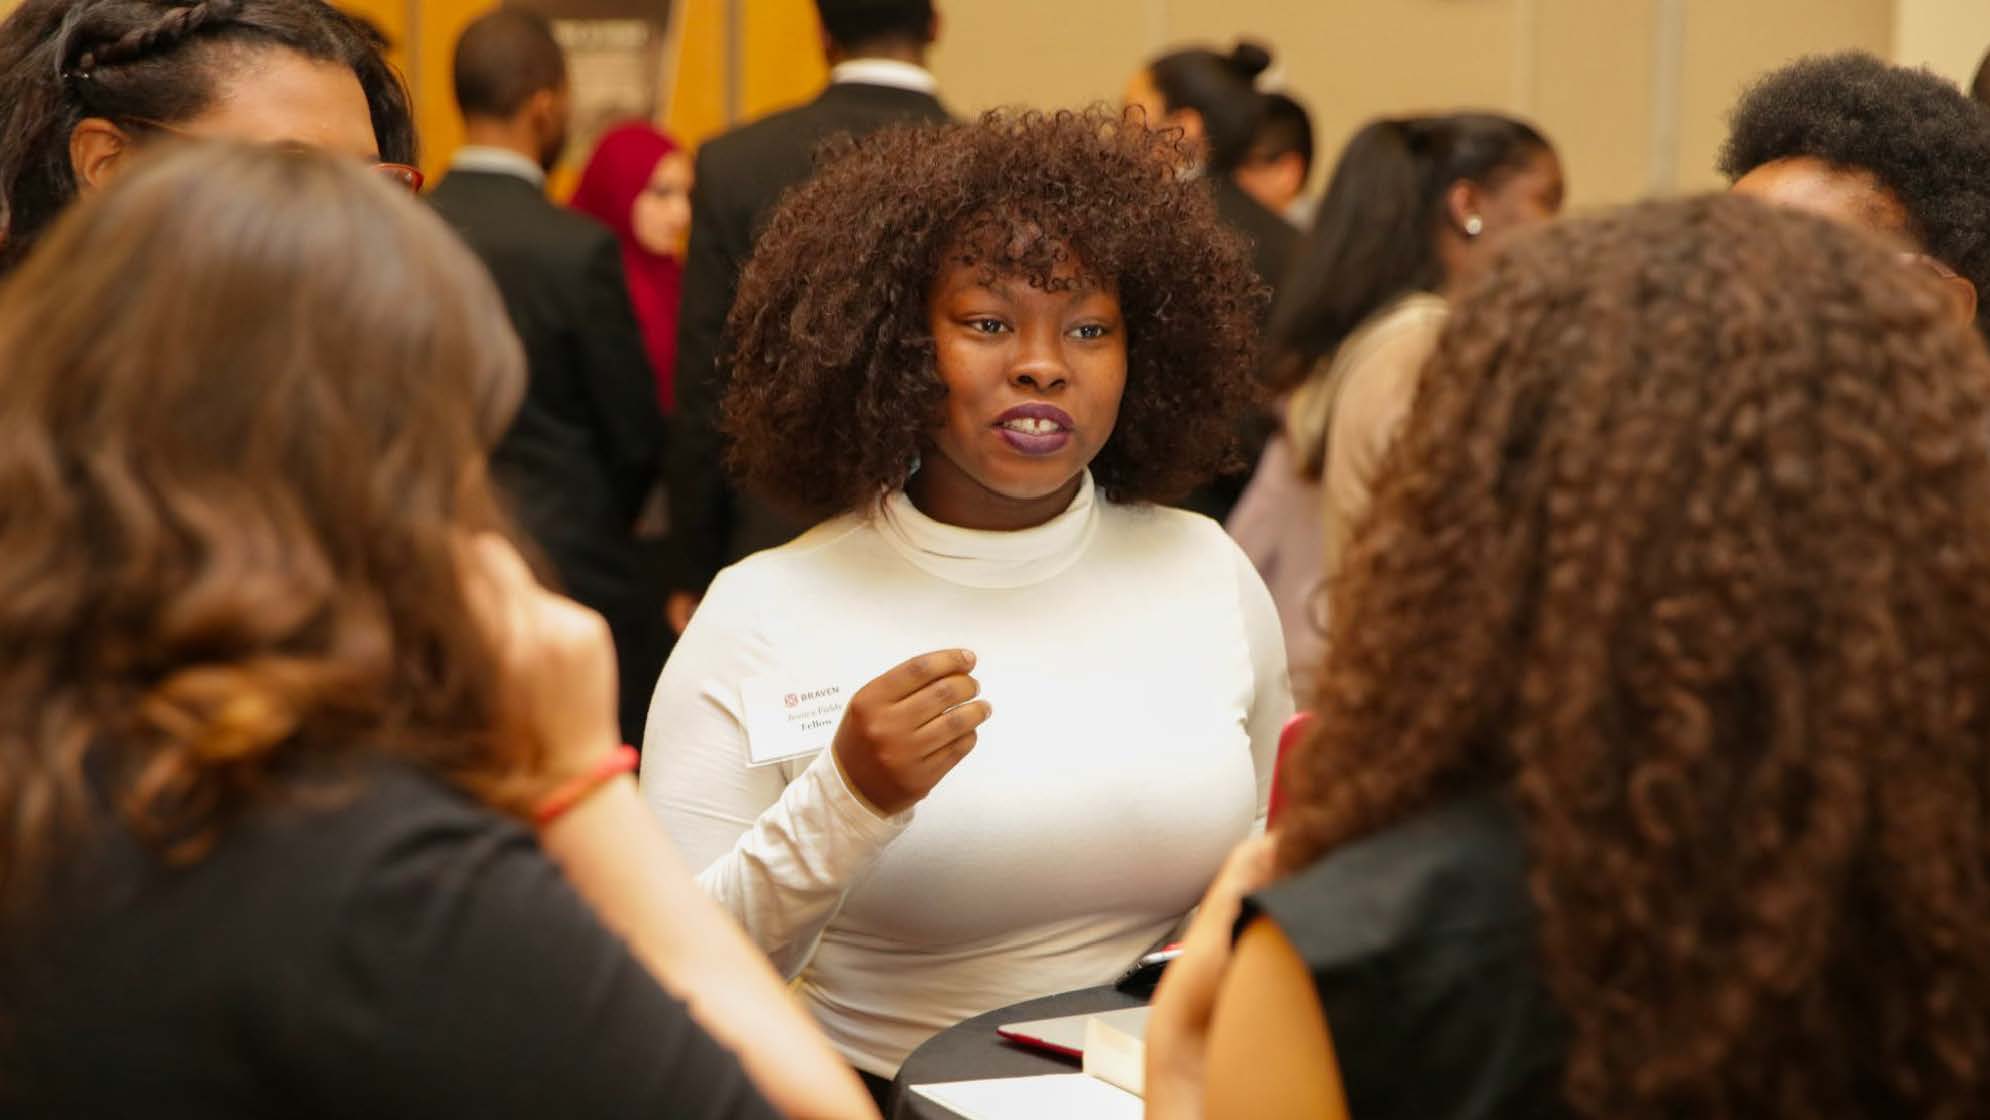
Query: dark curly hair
(1920, 136)
(834, 388)
(1686, 546)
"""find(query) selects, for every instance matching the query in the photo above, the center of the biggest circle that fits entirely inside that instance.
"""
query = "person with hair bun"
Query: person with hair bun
(979, 355)
(1651, 774)
(1213, 100)
(84, 82)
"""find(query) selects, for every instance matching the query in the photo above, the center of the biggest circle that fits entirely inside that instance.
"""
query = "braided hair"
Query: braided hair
(65, 61)
(168, 30)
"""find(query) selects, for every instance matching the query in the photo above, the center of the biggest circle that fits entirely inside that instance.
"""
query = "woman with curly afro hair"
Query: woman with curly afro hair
(1893, 150)
(1651, 775)
(983, 354)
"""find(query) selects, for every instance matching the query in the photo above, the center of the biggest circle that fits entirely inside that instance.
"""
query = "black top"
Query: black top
(1421, 942)
(586, 448)
(1274, 241)
(394, 952)
(740, 176)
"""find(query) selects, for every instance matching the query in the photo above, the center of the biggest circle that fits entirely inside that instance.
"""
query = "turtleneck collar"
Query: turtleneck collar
(989, 559)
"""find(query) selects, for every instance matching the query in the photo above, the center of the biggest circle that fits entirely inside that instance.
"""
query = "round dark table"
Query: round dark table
(972, 1051)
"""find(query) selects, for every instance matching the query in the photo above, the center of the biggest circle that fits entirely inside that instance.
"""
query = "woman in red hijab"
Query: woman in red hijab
(638, 183)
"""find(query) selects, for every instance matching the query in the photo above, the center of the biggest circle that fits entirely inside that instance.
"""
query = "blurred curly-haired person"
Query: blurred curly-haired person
(1651, 776)
(985, 354)
(1899, 152)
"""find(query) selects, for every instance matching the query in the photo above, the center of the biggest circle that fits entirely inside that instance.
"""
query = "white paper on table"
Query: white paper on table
(1056, 1096)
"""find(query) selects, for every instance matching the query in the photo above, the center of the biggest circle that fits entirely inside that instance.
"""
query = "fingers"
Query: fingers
(925, 705)
(513, 606)
(1249, 866)
(948, 727)
(948, 755)
(898, 683)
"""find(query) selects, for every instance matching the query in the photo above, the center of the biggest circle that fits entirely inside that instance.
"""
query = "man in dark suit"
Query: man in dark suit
(585, 451)
(877, 50)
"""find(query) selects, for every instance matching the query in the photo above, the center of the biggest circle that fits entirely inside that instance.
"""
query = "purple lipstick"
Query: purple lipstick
(1035, 429)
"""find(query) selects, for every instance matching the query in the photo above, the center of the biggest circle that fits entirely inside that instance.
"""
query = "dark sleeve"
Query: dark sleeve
(467, 978)
(616, 376)
(1345, 945)
(1420, 941)
(701, 498)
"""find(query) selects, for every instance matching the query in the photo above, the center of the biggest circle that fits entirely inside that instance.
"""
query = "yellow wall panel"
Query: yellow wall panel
(390, 16)
(438, 24)
(780, 51)
(781, 45)
(695, 67)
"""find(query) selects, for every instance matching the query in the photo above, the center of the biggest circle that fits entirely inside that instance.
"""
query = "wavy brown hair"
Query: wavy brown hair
(834, 389)
(242, 426)
(1686, 545)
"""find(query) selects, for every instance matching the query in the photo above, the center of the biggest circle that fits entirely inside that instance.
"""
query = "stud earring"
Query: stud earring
(1474, 226)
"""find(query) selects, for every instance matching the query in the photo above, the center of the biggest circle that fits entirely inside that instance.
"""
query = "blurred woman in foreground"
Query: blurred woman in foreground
(277, 704)
(1651, 776)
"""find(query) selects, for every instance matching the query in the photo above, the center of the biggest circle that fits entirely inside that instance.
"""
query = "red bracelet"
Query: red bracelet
(611, 765)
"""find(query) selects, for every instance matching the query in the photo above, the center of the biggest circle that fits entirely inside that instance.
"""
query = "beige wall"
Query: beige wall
(1947, 36)
(1729, 44)
(1634, 92)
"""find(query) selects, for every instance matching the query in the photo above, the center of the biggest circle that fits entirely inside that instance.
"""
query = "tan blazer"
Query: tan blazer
(1345, 418)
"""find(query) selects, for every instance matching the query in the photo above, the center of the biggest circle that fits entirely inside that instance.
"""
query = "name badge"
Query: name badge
(786, 721)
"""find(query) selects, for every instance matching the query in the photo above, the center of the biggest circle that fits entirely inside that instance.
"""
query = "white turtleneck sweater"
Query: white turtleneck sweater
(1136, 672)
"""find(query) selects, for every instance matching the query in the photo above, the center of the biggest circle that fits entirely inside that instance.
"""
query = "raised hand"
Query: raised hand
(556, 656)
(905, 730)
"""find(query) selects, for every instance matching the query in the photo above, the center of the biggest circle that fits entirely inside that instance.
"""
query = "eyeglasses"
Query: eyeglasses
(400, 174)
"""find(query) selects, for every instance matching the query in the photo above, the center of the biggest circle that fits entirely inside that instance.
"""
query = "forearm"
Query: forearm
(627, 869)
(785, 877)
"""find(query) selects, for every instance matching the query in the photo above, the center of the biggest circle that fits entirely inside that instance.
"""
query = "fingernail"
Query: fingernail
(968, 656)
